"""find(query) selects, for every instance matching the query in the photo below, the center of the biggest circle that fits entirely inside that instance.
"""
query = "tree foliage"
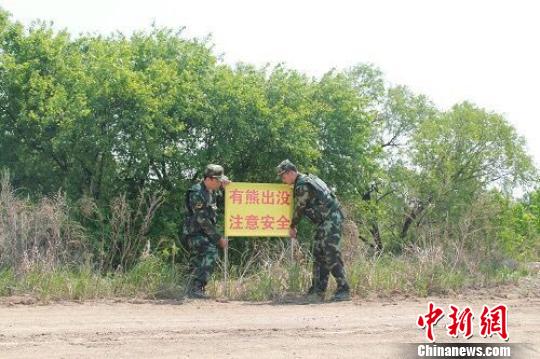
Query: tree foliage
(108, 117)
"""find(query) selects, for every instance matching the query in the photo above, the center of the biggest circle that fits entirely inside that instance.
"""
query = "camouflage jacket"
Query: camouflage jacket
(201, 212)
(313, 199)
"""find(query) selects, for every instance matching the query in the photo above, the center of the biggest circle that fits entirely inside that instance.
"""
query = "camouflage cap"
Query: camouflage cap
(215, 171)
(285, 166)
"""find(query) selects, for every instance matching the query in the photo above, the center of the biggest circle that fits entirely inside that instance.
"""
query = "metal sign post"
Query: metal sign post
(226, 265)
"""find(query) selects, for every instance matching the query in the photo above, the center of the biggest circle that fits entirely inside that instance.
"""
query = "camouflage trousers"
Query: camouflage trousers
(203, 258)
(327, 254)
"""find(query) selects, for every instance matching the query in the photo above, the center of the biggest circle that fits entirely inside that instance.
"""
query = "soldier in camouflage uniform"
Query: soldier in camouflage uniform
(319, 204)
(200, 228)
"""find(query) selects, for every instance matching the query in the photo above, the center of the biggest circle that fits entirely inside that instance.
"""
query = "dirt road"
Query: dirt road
(210, 329)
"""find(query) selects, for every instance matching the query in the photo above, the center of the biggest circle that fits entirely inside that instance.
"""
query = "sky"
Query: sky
(485, 52)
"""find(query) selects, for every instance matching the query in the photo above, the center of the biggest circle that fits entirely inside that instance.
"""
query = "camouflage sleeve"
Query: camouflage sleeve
(302, 194)
(202, 217)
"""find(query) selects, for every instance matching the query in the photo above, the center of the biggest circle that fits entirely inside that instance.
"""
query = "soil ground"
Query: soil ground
(375, 328)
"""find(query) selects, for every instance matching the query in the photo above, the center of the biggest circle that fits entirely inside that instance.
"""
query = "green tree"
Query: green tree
(457, 156)
(520, 226)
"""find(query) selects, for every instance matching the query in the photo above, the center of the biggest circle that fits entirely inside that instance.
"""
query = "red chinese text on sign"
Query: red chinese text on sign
(267, 222)
(258, 209)
(268, 197)
(252, 222)
(283, 222)
(252, 197)
(284, 198)
(236, 196)
(236, 222)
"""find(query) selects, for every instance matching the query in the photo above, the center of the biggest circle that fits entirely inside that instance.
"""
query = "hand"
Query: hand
(225, 182)
(292, 232)
(223, 243)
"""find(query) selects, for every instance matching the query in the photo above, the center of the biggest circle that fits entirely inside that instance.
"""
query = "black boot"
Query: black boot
(315, 294)
(197, 291)
(342, 294)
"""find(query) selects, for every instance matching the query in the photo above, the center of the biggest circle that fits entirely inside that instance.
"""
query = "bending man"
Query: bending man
(319, 204)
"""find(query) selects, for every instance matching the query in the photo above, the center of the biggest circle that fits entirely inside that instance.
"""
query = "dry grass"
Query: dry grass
(46, 254)
(122, 235)
(39, 234)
